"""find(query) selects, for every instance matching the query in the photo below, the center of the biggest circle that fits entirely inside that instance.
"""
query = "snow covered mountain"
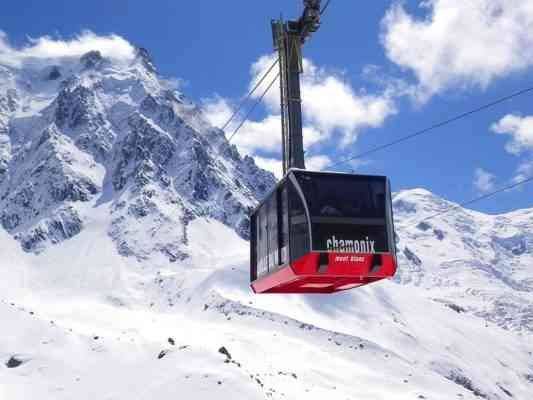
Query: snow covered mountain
(95, 130)
(124, 265)
(485, 261)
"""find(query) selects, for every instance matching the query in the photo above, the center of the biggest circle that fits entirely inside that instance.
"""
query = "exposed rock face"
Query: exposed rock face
(14, 362)
(116, 134)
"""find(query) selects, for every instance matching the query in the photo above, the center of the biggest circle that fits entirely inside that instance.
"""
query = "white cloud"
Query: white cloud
(483, 180)
(317, 163)
(274, 165)
(519, 128)
(47, 48)
(4, 47)
(258, 68)
(330, 103)
(172, 83)
(217, 111)
(460, 43)
(270, 164)
(524, 171)
(265, 135)
(351, 166)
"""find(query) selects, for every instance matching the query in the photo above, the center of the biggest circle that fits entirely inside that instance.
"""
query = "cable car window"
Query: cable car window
(272, 230)
(345, 196)
(392, 234)
(299, 227)
(348, 213)
(284, 222)
(262, 243)
(253, 248)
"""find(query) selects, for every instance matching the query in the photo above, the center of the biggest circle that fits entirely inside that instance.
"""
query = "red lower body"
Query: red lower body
(338, 272)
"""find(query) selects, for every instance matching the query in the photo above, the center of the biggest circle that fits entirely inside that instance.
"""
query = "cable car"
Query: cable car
(322, 232)
(316, 232)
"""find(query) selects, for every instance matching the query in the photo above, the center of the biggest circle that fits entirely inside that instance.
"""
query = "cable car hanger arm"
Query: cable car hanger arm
(289, 37)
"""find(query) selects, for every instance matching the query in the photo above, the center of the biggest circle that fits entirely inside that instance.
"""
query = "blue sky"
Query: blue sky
(399, 69)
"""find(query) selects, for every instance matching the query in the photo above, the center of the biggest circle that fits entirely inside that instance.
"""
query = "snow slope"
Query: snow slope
(398, 339)
(482, 263)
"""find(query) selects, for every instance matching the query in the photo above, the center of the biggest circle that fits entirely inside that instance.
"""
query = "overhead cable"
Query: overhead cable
(249, 95)
(478, 199)
(431, 128)
(259, 100)
(325, 7)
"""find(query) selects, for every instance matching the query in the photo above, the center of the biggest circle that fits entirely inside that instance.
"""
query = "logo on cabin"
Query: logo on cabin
(351, 246)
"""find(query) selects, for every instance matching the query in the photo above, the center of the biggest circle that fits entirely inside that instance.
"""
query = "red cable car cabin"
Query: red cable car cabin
(322, 232)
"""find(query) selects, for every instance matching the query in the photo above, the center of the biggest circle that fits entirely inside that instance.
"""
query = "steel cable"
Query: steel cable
(259, 100)
(431, 128)
(249, 95)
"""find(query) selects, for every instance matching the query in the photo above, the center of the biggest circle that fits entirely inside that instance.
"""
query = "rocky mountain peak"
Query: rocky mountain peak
(92, 59)
(118, 139)
(144, 56)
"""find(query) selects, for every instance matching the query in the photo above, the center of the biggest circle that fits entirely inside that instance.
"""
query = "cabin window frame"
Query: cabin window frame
(390, 218)
(306, 230)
